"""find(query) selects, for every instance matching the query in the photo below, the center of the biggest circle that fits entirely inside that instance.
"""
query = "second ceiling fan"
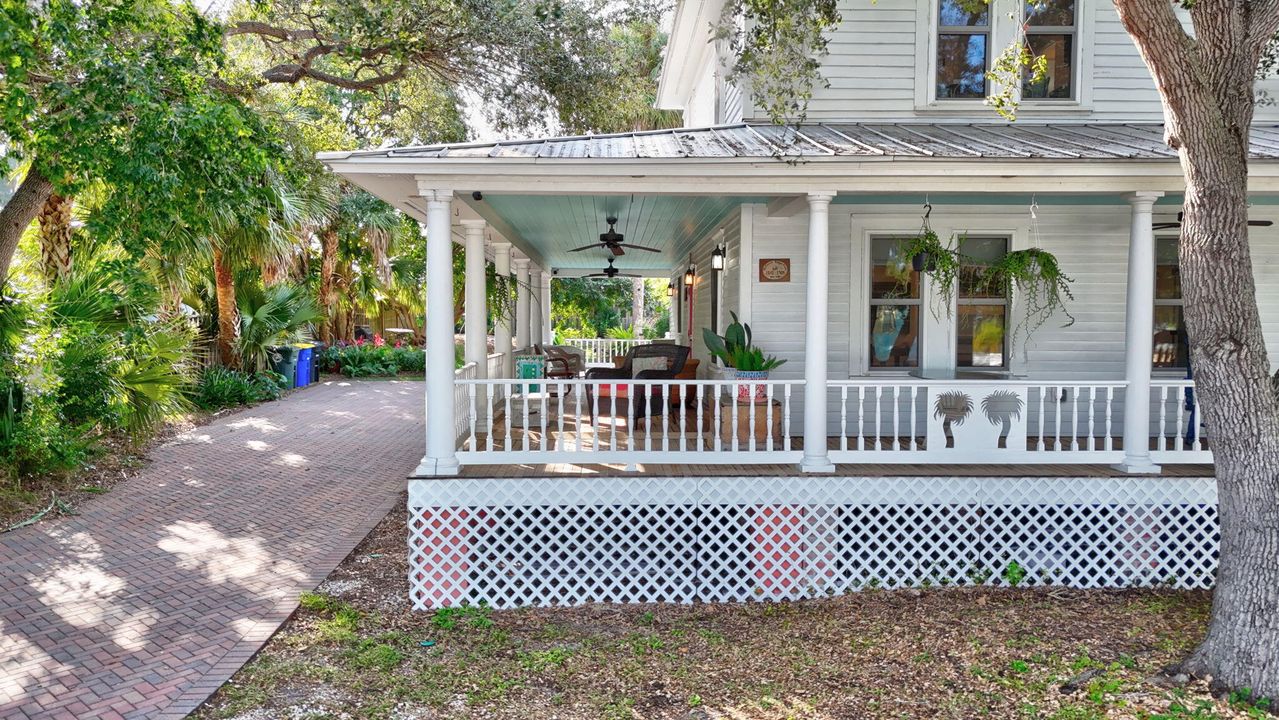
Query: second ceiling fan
(611, 272)
(613, 241)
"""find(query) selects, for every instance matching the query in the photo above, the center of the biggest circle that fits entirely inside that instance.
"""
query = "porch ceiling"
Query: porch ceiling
(555, 224)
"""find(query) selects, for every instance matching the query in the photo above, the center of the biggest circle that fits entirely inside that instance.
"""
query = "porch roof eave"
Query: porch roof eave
(771, 177)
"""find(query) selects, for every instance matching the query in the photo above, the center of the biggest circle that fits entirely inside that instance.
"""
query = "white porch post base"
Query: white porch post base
(1139, 345)
(437, 467)
(816, 455)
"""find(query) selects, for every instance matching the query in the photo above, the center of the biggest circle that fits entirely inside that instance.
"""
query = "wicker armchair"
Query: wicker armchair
(675, 355)
(563, 363)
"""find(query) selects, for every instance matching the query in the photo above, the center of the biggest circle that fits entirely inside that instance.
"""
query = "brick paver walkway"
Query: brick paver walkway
(149, 600)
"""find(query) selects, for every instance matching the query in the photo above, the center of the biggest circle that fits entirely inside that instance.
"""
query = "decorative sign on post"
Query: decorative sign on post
(774, 270)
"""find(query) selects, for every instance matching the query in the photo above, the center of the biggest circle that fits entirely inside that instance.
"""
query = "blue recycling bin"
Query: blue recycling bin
(302, 377)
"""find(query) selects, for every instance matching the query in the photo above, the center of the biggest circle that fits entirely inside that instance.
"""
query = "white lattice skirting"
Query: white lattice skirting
(517, 542)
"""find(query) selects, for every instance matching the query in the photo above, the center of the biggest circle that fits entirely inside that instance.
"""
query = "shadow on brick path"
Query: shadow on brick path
(152, 597)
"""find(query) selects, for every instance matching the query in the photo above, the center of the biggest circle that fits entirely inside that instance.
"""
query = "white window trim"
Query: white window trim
(1167, 372)
(1002, 31)
(864, 228)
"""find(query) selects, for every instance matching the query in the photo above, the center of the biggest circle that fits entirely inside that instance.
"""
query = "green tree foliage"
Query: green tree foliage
(118, 90)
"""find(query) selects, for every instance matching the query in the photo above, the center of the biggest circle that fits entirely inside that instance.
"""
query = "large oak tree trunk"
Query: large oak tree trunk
(328, 269)
(19, 212)
(55, 238)
(228, 312)
(1207, 88)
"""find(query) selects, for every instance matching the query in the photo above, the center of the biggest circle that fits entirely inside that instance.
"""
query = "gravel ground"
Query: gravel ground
(355, 650)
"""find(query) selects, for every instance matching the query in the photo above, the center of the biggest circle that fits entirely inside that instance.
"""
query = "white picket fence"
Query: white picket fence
(601, 351)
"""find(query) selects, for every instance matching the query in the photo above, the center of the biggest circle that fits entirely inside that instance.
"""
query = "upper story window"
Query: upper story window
(1171, 346)
(969, 34)
(1051, 29)
(963, 48)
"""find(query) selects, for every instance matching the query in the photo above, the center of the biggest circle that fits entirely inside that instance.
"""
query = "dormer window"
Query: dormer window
(963, 49)
(1051, 28)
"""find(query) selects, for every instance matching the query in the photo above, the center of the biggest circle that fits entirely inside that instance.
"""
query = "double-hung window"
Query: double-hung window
(895, 303)
(963, 49)
(981, 313)
(1051, 30)
(969, 35)
(1171, 347)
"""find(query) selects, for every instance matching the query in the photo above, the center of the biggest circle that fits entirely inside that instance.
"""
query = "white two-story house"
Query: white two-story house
(915, 431)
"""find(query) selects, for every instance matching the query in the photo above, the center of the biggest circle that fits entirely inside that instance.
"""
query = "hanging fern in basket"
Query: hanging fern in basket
(1042, 289)
(940, 262)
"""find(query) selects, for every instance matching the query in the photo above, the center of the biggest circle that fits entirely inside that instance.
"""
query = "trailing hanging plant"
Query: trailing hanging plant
(1042, 289)
(940, 262)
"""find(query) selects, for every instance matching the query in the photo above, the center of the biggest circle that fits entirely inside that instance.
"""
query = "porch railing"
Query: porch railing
(1179, 433)
(601, 351)
(911, 420)
(461, 376)
(631, 421)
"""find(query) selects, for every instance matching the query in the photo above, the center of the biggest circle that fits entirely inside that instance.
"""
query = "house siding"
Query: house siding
(1091, 241)
(879, 54)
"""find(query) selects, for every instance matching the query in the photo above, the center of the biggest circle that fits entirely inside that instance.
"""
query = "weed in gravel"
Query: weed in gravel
(371, 655)
(712, 637)
(540, 660)
(645, 644)
(489, 687)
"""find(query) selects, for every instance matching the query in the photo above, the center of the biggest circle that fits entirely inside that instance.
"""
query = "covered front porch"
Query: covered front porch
(893, 453)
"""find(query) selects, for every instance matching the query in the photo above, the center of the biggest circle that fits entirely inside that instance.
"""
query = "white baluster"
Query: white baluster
(768, 416)
(910, 429)
(1161, 442)
(897, 401)
(1092, 409)
(1110, 404)
(879, 394)
(861, 419)
(1179, 398)
(1057, 418)
(717, 429)
(843, 417)
(543, 409)
(786, 418)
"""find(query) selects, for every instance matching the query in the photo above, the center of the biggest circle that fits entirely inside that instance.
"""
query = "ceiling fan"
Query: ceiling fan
(613, 241)
(611, 272)
(1177, 224)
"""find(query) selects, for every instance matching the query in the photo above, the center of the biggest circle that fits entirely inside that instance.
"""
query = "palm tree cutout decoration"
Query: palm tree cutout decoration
(1002, 409)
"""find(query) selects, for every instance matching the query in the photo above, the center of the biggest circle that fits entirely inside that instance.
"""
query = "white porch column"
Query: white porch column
(816, 456)
(1139, 340)
(535, 305)
(502, 323)
(476, 309)
(521, 302)
(548, 332)
(476, 302)
(441, 450)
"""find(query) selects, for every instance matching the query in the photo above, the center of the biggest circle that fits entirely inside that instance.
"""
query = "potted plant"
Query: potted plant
(747, 361)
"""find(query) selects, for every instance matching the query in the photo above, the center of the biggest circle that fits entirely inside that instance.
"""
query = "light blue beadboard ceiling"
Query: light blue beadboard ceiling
(555, 224)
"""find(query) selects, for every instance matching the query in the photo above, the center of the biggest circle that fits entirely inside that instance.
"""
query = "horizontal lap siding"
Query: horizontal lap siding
(728, 281)
(1091, 241)
(872, 61)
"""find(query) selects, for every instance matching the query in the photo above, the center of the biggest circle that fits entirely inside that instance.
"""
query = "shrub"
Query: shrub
(369, 359)
(220, 388)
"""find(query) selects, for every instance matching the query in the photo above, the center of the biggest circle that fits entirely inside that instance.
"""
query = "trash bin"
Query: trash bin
(305, 354)
(285, 362)
(315, 361)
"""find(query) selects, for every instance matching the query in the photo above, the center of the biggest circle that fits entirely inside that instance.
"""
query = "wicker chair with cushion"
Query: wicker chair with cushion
(562, 362)
(643, 362)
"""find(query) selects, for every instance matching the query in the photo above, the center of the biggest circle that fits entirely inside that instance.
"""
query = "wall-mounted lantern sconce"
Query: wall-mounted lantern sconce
(690, 276)
(670, 289)
(717, 259)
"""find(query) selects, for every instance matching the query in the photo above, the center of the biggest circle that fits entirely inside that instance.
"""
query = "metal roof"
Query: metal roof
(1004, 141)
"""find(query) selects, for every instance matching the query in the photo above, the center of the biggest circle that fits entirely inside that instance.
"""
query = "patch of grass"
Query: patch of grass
(646, 618)
(376, 656)
(489, 687)
(713, 637)
(450, 618)
(645, 644)
(540, 660)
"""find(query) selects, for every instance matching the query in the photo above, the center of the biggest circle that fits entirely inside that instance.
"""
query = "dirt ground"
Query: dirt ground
(355, 650)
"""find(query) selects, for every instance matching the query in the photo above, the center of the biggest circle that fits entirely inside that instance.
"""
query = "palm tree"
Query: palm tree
(55, 237)
(263, 235)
